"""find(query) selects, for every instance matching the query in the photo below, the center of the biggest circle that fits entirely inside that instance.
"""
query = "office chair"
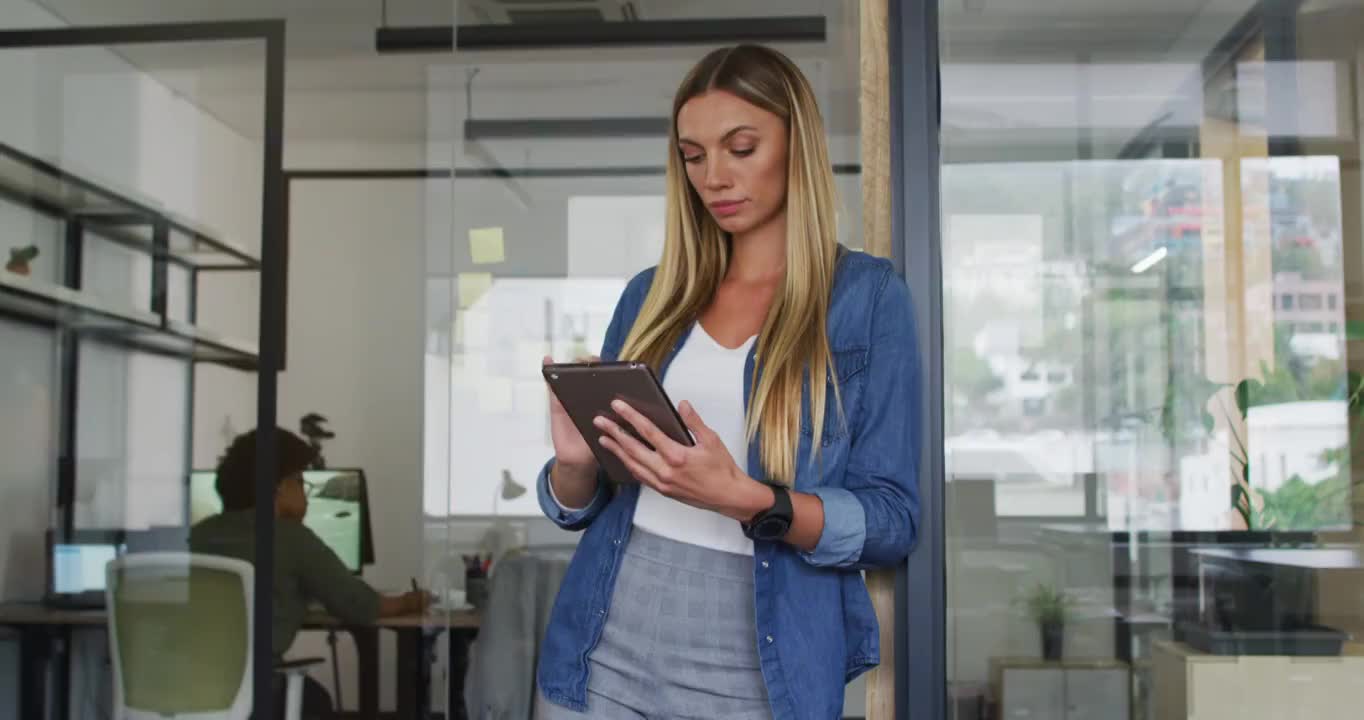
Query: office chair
(500, 679)
(180, 638)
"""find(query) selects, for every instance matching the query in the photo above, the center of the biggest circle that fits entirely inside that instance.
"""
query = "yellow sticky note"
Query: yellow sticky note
(485, 244)
(472, 286)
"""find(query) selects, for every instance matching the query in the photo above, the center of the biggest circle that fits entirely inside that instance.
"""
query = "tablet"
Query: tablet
(586, 390)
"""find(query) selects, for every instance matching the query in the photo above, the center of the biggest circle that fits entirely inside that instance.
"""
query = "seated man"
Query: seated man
(306, 570)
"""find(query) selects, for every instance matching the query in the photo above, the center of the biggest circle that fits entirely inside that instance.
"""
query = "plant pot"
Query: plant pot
(1053, 640)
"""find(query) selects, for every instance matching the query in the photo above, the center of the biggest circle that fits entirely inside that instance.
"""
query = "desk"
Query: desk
(1189, 684)
(39, 626)
(1322, 558)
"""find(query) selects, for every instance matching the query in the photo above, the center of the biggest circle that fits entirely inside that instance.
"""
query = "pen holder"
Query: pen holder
(476, 589)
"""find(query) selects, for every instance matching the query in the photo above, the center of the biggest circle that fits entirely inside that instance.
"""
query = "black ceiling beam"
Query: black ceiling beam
(558, 128)
(526, 36)
(434, 38)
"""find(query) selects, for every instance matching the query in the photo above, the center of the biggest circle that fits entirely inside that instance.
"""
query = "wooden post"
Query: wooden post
(874, 94)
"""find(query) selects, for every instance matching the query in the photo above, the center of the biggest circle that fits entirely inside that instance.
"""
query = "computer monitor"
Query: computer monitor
(76, 563)
(338, 510)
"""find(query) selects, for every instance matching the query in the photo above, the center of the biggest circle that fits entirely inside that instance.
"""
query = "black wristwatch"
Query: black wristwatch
(773, 523)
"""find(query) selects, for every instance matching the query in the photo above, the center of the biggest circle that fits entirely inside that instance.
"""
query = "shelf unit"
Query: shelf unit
(94, 209)
(95, 213)
(91, 210)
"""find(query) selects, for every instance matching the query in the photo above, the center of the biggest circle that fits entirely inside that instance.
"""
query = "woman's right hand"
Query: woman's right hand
(571, 451)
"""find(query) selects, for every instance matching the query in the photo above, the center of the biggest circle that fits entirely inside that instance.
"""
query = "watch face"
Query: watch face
(771, 528)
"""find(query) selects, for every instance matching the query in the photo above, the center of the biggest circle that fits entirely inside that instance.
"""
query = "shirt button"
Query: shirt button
(764, 563)
(616, 541)
(769, 639)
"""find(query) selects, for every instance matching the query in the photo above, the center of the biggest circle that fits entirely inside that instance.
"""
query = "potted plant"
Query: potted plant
(19, 259)
(1049, 608)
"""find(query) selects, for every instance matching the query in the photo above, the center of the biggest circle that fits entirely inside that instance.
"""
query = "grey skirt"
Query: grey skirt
(680, 639)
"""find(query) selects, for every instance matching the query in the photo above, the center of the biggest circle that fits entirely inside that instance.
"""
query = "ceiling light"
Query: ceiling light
(1149, 261)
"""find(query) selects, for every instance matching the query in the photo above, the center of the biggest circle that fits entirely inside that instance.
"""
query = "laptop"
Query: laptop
(76, 565)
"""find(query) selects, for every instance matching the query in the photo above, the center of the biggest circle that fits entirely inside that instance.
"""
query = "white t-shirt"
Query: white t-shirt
(711, 377)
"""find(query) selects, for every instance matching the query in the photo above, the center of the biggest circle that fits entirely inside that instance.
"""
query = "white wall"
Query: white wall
(356, 336)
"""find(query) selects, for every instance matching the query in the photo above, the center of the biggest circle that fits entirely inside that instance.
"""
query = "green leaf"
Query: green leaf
(1240, 501)
(1354, 329)
(1243, 396)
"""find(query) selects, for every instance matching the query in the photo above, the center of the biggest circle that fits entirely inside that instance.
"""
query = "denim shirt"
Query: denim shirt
(816, 629)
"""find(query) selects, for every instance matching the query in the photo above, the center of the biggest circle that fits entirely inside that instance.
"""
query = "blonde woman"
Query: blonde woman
(725, 584)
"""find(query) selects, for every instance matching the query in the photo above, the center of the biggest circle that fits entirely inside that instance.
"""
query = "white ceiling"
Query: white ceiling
(339, 89)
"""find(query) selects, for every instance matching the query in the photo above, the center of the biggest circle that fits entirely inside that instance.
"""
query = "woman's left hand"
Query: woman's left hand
(703, 475)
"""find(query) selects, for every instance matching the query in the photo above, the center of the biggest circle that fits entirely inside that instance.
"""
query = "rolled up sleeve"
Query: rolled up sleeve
(845, 529)
(872, 519)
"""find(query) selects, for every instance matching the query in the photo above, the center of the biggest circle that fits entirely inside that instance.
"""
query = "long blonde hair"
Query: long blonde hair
(793, 344)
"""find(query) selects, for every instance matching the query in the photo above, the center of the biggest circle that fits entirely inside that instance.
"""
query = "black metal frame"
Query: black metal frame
(921, 675)
(69, 362)
(272, 34)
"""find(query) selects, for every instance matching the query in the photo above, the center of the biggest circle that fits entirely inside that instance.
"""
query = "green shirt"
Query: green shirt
(306, 571)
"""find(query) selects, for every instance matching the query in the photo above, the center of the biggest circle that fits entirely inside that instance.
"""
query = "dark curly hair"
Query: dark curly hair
(236, 482)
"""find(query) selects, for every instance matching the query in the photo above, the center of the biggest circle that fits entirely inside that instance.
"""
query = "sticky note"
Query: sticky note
(485, 244)
(472, 286)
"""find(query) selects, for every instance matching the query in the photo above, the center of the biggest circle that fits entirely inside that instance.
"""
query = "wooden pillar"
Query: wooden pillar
(874, 94)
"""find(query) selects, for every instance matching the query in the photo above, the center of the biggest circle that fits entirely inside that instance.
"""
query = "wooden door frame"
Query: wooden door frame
(900, 121)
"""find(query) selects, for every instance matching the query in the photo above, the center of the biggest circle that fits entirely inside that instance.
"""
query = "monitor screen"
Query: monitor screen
(338, 508)
(78, 568)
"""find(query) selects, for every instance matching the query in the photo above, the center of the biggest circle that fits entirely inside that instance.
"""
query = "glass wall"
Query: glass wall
(1151, 271)
(452, 216)
(131, 233)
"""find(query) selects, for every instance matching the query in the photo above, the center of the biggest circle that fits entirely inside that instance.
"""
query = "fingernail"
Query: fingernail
(599, 421)
(618, 404)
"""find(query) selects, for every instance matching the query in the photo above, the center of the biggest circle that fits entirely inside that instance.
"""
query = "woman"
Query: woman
(725, 584)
